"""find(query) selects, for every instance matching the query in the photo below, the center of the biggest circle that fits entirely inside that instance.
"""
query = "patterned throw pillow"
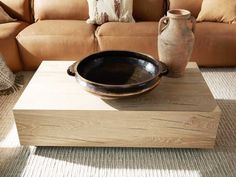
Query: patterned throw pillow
(9, 83)
(102, 11)
(4, 17)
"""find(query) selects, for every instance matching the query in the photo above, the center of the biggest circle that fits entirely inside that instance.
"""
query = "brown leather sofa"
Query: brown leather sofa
(56, 30)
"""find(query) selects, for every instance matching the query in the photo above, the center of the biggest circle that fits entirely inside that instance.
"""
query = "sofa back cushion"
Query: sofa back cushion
(194, 6)
(148, 10)
(60, 9)
(19, 9)
(143, 10)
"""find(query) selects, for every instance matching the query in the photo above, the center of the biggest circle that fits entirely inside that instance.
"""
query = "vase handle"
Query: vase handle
(193, 20)
(161, 22)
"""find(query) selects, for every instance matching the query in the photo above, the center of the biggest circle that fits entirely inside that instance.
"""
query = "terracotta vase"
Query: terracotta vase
(175, 40)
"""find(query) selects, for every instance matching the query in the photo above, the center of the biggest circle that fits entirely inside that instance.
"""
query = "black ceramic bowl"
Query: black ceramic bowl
(116, 74)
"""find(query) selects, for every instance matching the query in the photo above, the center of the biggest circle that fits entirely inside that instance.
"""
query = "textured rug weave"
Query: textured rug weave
(16, 160)
(9, 83)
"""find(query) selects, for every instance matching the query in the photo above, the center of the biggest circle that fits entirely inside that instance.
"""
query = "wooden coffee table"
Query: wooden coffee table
(54, 111)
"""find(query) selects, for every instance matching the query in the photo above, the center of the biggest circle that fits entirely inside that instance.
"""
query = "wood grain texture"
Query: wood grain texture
(55, 111)
(122, 129)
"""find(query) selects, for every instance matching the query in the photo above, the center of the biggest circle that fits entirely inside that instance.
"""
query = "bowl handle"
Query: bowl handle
(164, 69)
(71, 69)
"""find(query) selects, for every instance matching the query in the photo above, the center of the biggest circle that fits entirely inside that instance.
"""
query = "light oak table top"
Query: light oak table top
(52, 89)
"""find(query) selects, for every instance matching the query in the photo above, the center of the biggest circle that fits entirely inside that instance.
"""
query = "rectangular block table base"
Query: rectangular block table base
(54, 111)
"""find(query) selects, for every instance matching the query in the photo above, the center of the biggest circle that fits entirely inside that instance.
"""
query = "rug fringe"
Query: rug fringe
(18, 84)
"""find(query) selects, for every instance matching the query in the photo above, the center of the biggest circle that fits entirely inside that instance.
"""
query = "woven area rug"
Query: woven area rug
(16, 160)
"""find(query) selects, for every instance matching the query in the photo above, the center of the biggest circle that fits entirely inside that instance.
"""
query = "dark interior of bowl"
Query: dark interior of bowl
(118, 68)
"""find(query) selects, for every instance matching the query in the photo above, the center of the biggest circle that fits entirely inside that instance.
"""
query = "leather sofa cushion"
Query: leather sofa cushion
(194, 6)
(58, 9)
(4, 17)
(211, 13)
(217, 47)
(55, 40)
(148, 10)
(140, 37)
(19, 9)
(8, 45)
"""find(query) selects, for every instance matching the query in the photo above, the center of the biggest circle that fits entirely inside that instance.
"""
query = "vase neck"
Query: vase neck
(178, 23)
(178, 17)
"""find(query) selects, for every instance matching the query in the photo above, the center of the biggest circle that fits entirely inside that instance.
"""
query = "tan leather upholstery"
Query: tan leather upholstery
(140, 37)
(210, 11)
(194, 6)
(19, 9)
(60, 9)
(214, 48)
(148, 10)
(215, 44)
(55, 40)
(8, 45)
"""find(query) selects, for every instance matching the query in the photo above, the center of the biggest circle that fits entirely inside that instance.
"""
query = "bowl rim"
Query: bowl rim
(152, 59)
(120, 95)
